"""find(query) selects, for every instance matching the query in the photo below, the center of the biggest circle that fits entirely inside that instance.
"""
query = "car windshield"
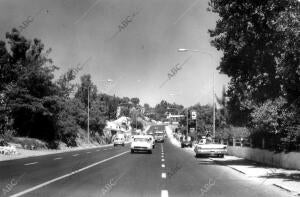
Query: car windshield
(140, 139)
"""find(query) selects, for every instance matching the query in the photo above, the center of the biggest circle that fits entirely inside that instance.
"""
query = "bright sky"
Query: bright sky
(140, 56)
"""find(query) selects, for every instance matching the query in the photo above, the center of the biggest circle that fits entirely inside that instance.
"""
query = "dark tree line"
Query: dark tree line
(33, 104)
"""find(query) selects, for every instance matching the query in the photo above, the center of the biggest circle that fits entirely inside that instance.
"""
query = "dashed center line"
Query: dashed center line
(164, 193)
(57, 158)
(162, 160)
(163, 165)
(97, 150)
(28, 164)
(105, 149)
(163, 175)
(75, 155)
(88, 152)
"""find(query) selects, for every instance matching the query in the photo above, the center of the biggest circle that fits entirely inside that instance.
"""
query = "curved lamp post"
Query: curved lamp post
(212, 58)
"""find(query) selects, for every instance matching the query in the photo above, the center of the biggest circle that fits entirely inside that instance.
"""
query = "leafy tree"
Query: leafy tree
(257, 38)
(28, 91)
(135, 101)
(86, 86)
(223, 104)
(64, 83)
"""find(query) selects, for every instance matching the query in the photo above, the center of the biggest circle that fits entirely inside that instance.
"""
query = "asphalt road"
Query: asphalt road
(114, 171)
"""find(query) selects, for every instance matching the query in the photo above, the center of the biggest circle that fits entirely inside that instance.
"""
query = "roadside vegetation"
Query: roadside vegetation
(261, 45)
(35, 105)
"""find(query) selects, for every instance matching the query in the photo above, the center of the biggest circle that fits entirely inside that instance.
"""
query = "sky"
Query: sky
(133, 58)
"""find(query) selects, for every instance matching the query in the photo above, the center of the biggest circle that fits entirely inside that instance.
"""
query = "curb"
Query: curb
(233, 168)
(283, 188)
(237, 170)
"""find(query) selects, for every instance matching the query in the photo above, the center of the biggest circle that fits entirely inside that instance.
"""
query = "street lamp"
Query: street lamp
(212, 58)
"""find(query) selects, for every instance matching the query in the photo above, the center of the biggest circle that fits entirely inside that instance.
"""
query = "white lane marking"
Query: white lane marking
(97, 150)
(162, 156)
(164, 193)
(66, 175)
(163, 165)
(105, 149)
(163, 175)
(162, 160)
(75, 155)
(88, 152)
(28, 164)
(57, 158)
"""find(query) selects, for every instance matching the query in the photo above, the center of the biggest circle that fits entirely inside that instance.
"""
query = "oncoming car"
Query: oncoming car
(141, 143)
(119, 141)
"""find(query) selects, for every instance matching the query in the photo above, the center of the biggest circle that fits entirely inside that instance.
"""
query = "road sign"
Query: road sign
(194, 115)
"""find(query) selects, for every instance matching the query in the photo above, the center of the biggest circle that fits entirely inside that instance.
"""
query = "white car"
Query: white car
(152, 140)
(208, 148)
(141, 143)
(119, 141)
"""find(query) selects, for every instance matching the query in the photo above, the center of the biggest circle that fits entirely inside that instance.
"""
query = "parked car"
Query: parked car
(141, 143)
(205, 147)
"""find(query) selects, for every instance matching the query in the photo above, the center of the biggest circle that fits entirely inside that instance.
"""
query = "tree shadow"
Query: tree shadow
(285, 176)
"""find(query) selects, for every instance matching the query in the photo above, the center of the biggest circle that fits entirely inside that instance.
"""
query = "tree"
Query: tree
(223, 104)
(248, 34)
(82, 92)
(135, 101)
(64, 83)
(28, 91)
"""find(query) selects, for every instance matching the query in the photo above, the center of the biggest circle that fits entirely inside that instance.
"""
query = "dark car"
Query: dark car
(186, 142)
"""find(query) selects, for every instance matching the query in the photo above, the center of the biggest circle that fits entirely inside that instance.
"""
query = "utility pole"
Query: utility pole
(135, 120)
(88, 112)
(214, 113)
(187, 122)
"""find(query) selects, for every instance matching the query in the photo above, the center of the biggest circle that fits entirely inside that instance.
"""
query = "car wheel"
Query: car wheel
(132, 151)
(197, 155)
(114, 145)
(182, 146)
(150, 151)
(123, 144)
(191, 146)
(222, 156)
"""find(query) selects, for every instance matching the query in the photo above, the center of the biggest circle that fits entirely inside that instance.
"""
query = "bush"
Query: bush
(29, 143)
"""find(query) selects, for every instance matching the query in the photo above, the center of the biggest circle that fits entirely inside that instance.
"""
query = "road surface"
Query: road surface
(114, 171)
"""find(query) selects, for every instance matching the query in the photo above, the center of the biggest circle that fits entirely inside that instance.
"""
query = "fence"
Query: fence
(271, 143)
